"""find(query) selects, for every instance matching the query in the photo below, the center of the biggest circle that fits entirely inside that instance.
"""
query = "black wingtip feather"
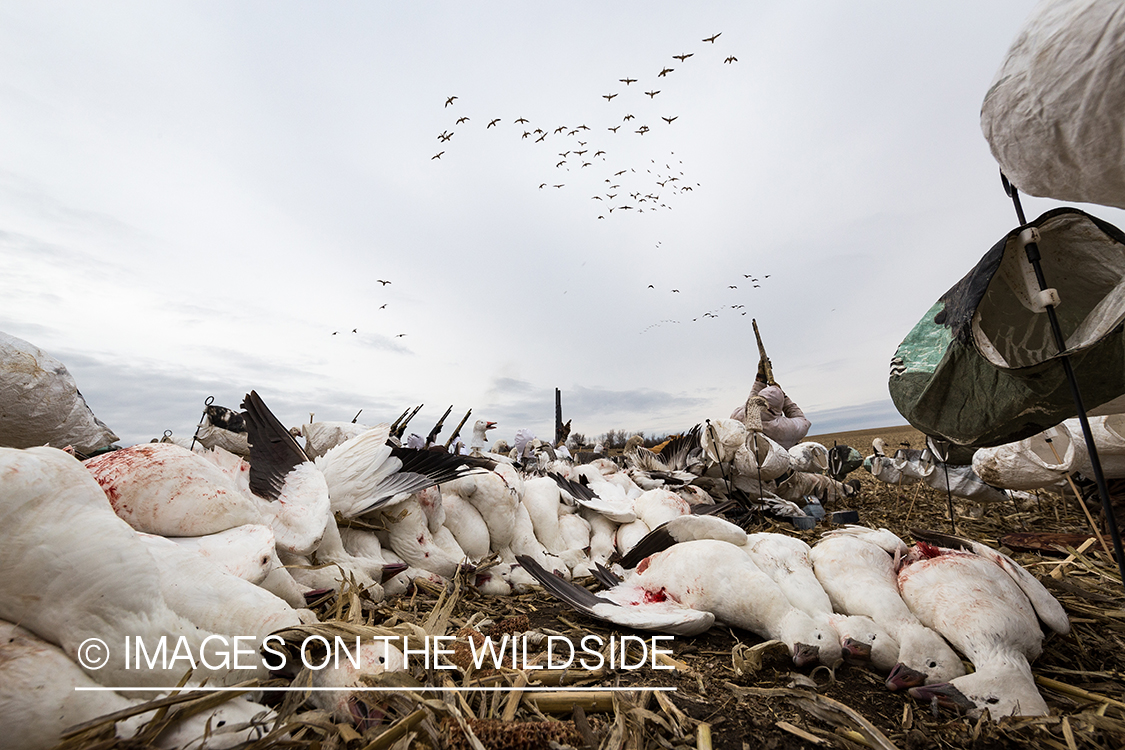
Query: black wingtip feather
(565, 591)
(273, 451)
(654, 541)
(605, 576)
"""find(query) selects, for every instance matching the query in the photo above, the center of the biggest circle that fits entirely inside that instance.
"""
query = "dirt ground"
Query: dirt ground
(1081, 675)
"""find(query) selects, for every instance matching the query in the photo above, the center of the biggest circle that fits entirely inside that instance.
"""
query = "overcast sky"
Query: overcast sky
(197, 199)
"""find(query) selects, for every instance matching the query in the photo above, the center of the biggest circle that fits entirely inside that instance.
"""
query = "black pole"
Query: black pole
(207, 402)
(1033, 257)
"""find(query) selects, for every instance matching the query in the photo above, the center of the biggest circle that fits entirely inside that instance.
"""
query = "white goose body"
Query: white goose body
(542, 500)
(859, 576)
(74, 570)
(467, 525)
(718, 578)
(245, 551)
(161, 488)
(495, 495)
(408, 534)
(39, 701)
(987, 614)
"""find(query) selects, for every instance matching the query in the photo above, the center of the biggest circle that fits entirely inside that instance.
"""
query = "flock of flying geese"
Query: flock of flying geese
(622, 188)
(162, 539)
(754, 283)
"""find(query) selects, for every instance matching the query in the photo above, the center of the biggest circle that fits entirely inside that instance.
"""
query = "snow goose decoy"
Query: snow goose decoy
(989, 607)
(857, 567)
(223, 428)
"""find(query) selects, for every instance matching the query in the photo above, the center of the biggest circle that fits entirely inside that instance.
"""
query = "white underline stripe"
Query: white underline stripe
(385, 689)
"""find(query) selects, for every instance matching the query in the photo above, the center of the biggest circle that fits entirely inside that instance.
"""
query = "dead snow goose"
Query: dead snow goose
(989, 607)
(857, 568)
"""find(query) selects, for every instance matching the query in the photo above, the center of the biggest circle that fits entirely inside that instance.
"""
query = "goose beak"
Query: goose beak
(390, 570)
(804, 654)
(856, 650)
(944, 693)
(903, 677)
(489, 426)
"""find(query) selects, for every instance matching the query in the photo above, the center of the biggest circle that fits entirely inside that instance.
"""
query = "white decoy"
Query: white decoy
(717, 577)
(989, 607)
(321, 437)
(480, 436)
(74, 570)
(223, 428)
(40, 699)
(857, 568)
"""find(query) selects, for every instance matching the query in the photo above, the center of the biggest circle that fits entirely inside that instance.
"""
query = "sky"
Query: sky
(199, 199)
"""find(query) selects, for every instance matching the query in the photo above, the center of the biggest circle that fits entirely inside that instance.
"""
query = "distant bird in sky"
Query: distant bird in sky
(651, 94)
(353, 330)
(627, 81)
(445, 136)
(560, 128)
(732, 286)
(437, 155)
(677, 291)
(542, 185)
(650, 286)
(449, 100)
(400, 335)
(670, 119)
(713, 38)
(731, 59)
(383, 282)
(560, 163)
(664, 72)
(383, 306)
(681, 58)
(614, 129)
(757, 286)
(461, 120)
(627, 117)
(559, 186)
(521, 120)
(608, 97)
(766, 276)
(489, 125)
(540, 138)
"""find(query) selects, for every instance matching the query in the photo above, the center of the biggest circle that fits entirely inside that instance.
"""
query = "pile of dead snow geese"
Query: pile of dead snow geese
(161, 540)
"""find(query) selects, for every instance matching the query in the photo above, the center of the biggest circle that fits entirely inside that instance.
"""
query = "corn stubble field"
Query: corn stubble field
(731, 691)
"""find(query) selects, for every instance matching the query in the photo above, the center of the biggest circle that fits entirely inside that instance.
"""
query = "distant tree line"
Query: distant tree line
(616, 439)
